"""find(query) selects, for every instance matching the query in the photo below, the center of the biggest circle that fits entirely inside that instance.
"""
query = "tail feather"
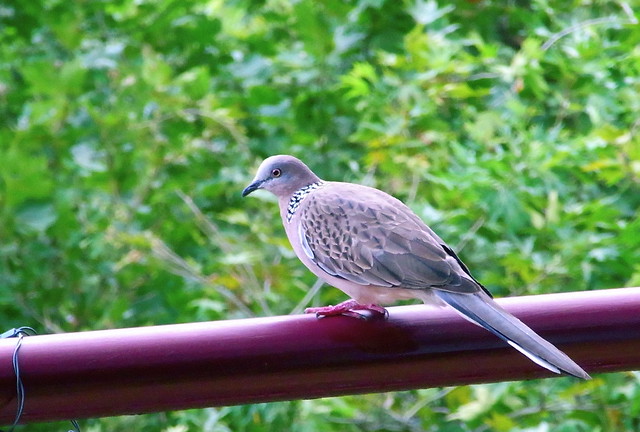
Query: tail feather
(480, 309)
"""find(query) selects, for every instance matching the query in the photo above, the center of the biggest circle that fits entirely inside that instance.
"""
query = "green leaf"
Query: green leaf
(35, 216)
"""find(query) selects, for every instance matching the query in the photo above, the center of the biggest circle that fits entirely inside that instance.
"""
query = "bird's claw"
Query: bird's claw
(349, 308)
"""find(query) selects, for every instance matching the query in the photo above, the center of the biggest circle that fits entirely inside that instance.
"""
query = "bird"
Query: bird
(374, 248)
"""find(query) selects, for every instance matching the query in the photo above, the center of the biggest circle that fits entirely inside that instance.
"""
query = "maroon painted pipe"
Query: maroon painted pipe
(147, 369)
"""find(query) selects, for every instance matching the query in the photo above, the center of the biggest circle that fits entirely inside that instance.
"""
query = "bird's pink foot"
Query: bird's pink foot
(349, 308)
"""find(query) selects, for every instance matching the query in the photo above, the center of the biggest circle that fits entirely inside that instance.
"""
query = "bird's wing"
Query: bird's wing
(368, 237)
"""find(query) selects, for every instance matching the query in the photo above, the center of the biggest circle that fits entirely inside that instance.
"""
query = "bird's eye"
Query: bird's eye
(276, 172)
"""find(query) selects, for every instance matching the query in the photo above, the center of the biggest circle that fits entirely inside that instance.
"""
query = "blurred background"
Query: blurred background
(128, 129)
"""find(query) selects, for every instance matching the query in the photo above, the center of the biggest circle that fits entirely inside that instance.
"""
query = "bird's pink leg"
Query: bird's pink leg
(348, 308)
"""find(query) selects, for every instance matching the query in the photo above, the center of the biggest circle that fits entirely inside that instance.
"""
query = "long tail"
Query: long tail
(480, 309)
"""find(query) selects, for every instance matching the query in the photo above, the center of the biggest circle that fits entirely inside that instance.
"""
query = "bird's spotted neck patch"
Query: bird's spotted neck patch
(299, 195)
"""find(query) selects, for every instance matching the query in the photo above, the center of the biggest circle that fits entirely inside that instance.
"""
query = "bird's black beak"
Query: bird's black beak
(252, 187)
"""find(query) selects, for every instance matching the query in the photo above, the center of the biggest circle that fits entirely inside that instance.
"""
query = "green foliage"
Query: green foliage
(128, 129)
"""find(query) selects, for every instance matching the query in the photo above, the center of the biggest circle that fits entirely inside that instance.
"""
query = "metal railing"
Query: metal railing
(147, 369)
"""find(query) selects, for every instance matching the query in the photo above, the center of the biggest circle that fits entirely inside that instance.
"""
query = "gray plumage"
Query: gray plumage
(374, 248)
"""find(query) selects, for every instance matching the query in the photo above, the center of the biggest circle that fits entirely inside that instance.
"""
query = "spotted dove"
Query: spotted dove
(375, 249)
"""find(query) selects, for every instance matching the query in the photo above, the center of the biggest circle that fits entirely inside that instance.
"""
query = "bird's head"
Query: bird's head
(281, 175)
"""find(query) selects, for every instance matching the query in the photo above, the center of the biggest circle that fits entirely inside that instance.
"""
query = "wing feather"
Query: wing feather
(368, 237)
